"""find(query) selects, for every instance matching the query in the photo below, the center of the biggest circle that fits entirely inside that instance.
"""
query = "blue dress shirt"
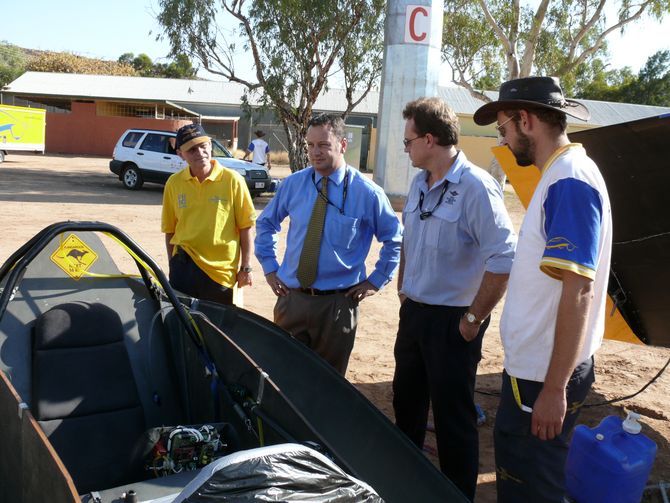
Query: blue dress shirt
(468, 233)
(346, 237)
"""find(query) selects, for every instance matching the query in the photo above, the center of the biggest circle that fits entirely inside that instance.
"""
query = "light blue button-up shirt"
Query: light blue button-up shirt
(346, 237)
(468, 233)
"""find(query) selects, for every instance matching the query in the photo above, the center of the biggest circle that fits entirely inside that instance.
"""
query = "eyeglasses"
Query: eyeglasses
(406, 142)
(500, 128)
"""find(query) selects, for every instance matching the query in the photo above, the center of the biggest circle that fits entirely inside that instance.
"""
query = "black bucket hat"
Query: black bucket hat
(530, 92)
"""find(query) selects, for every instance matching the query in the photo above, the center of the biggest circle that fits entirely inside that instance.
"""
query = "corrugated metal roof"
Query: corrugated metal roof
(126, 88)
(602, 113)
(336, 100)
(229, 93)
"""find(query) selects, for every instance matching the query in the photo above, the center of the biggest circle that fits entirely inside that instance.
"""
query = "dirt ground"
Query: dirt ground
(37, 190)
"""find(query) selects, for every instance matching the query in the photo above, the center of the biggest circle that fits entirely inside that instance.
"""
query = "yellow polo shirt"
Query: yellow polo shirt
(206, 219)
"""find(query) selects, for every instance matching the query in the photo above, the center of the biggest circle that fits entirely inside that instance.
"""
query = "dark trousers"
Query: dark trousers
(188, 278)
(435, 364)
(325, 323)
(527, 468)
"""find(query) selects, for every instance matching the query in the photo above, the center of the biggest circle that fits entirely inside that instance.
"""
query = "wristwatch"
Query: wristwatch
(471, 318)
(246, 268)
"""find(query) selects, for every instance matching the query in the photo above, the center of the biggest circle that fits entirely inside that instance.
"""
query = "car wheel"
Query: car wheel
(2, 156)
(131, 177)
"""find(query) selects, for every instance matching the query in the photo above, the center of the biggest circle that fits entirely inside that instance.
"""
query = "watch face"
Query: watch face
(470, 317)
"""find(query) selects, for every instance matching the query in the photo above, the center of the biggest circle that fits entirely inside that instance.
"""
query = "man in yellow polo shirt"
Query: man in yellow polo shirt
(207, 219)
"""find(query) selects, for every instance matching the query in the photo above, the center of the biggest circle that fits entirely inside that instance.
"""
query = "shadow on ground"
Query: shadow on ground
(486, 396)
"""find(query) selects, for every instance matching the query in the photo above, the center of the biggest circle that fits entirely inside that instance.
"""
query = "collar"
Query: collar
(558, 153)
(214, 174)
(337, 177)
(453, 175)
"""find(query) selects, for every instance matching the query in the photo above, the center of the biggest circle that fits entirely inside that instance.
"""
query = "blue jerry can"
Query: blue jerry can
(609, 463)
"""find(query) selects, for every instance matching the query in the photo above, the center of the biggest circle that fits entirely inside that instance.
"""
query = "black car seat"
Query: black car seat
(84, 394)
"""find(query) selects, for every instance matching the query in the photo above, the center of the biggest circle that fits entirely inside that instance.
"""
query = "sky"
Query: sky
(106, 29)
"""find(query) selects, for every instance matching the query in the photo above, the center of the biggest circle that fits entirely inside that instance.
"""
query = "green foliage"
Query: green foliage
(489, 41)
(653, 82)
(296, 47)
(64, 62)
(470, 47)
(12, 63)
(179, 68)
(650, 87)
(143, 65)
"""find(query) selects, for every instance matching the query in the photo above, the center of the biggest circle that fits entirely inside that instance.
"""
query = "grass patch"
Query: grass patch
(276, 156)
(279, 157)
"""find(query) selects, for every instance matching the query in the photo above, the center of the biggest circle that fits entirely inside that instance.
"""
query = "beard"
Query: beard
(524, 151)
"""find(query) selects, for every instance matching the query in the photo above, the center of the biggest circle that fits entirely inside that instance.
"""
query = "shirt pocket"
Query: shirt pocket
(442, 226)
(412, 204)
(410, 219)
(343, 231)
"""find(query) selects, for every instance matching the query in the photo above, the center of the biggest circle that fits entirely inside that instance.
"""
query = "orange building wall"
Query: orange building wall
(84, 132)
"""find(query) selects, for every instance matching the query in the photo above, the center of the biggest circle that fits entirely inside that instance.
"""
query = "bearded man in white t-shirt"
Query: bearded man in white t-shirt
(554, 315)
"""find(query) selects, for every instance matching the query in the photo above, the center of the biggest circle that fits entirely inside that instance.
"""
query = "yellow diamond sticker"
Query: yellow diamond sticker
(74, 257)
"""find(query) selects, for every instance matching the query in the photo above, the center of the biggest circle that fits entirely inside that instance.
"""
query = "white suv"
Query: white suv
(147, 155)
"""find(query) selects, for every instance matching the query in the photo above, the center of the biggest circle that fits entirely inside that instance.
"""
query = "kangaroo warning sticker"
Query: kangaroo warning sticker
(74, 257)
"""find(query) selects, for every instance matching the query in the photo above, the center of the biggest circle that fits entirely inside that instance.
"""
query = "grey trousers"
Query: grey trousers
(325, 323)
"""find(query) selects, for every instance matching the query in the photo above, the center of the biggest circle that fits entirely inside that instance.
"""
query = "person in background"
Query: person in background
(554, 315)
(259, 150)
(458, 248)
(207, 219)
(334, 213)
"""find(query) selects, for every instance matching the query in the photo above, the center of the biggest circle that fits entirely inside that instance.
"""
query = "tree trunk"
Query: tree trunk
(496, 171)
(297, 153)
(300, 160)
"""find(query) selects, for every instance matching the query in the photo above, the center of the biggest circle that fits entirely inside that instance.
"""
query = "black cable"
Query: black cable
(608, 402)
(614, 400)
(489, 393)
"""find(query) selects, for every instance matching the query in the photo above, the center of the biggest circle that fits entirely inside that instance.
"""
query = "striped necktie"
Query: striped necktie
(309, 257)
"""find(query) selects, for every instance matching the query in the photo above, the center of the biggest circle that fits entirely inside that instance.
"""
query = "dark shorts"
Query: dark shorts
(188, 278)
(527, 468)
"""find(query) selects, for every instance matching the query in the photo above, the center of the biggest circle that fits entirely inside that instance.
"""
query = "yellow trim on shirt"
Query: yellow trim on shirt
(549, 264)
(557, 153)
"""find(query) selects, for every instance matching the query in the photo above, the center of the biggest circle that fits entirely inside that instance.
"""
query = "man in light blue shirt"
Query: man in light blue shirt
(324, 314)
(458, 248)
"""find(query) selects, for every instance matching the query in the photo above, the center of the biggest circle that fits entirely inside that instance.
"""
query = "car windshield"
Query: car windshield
(219, 150)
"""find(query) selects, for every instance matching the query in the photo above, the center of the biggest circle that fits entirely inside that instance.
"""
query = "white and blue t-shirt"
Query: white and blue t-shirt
(568, 225)
(260, 150)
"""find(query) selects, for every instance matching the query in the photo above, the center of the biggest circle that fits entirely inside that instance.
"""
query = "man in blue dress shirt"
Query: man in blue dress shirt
(457, 253)
(324, 314)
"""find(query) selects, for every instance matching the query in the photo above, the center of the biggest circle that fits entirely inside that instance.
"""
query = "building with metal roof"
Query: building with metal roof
(86, 114)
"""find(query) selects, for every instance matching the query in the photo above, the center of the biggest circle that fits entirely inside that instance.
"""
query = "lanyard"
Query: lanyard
(344, 191)
(517, 395)
(425, 214)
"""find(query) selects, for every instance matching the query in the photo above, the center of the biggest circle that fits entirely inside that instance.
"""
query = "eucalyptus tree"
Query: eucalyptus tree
(296, 47)
(651, 86)
(486, 42)
(489, 41)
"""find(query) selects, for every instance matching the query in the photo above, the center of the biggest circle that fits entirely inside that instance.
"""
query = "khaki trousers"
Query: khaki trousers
(325, 323)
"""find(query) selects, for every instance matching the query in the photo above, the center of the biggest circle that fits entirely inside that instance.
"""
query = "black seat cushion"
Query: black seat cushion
(84, 393)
